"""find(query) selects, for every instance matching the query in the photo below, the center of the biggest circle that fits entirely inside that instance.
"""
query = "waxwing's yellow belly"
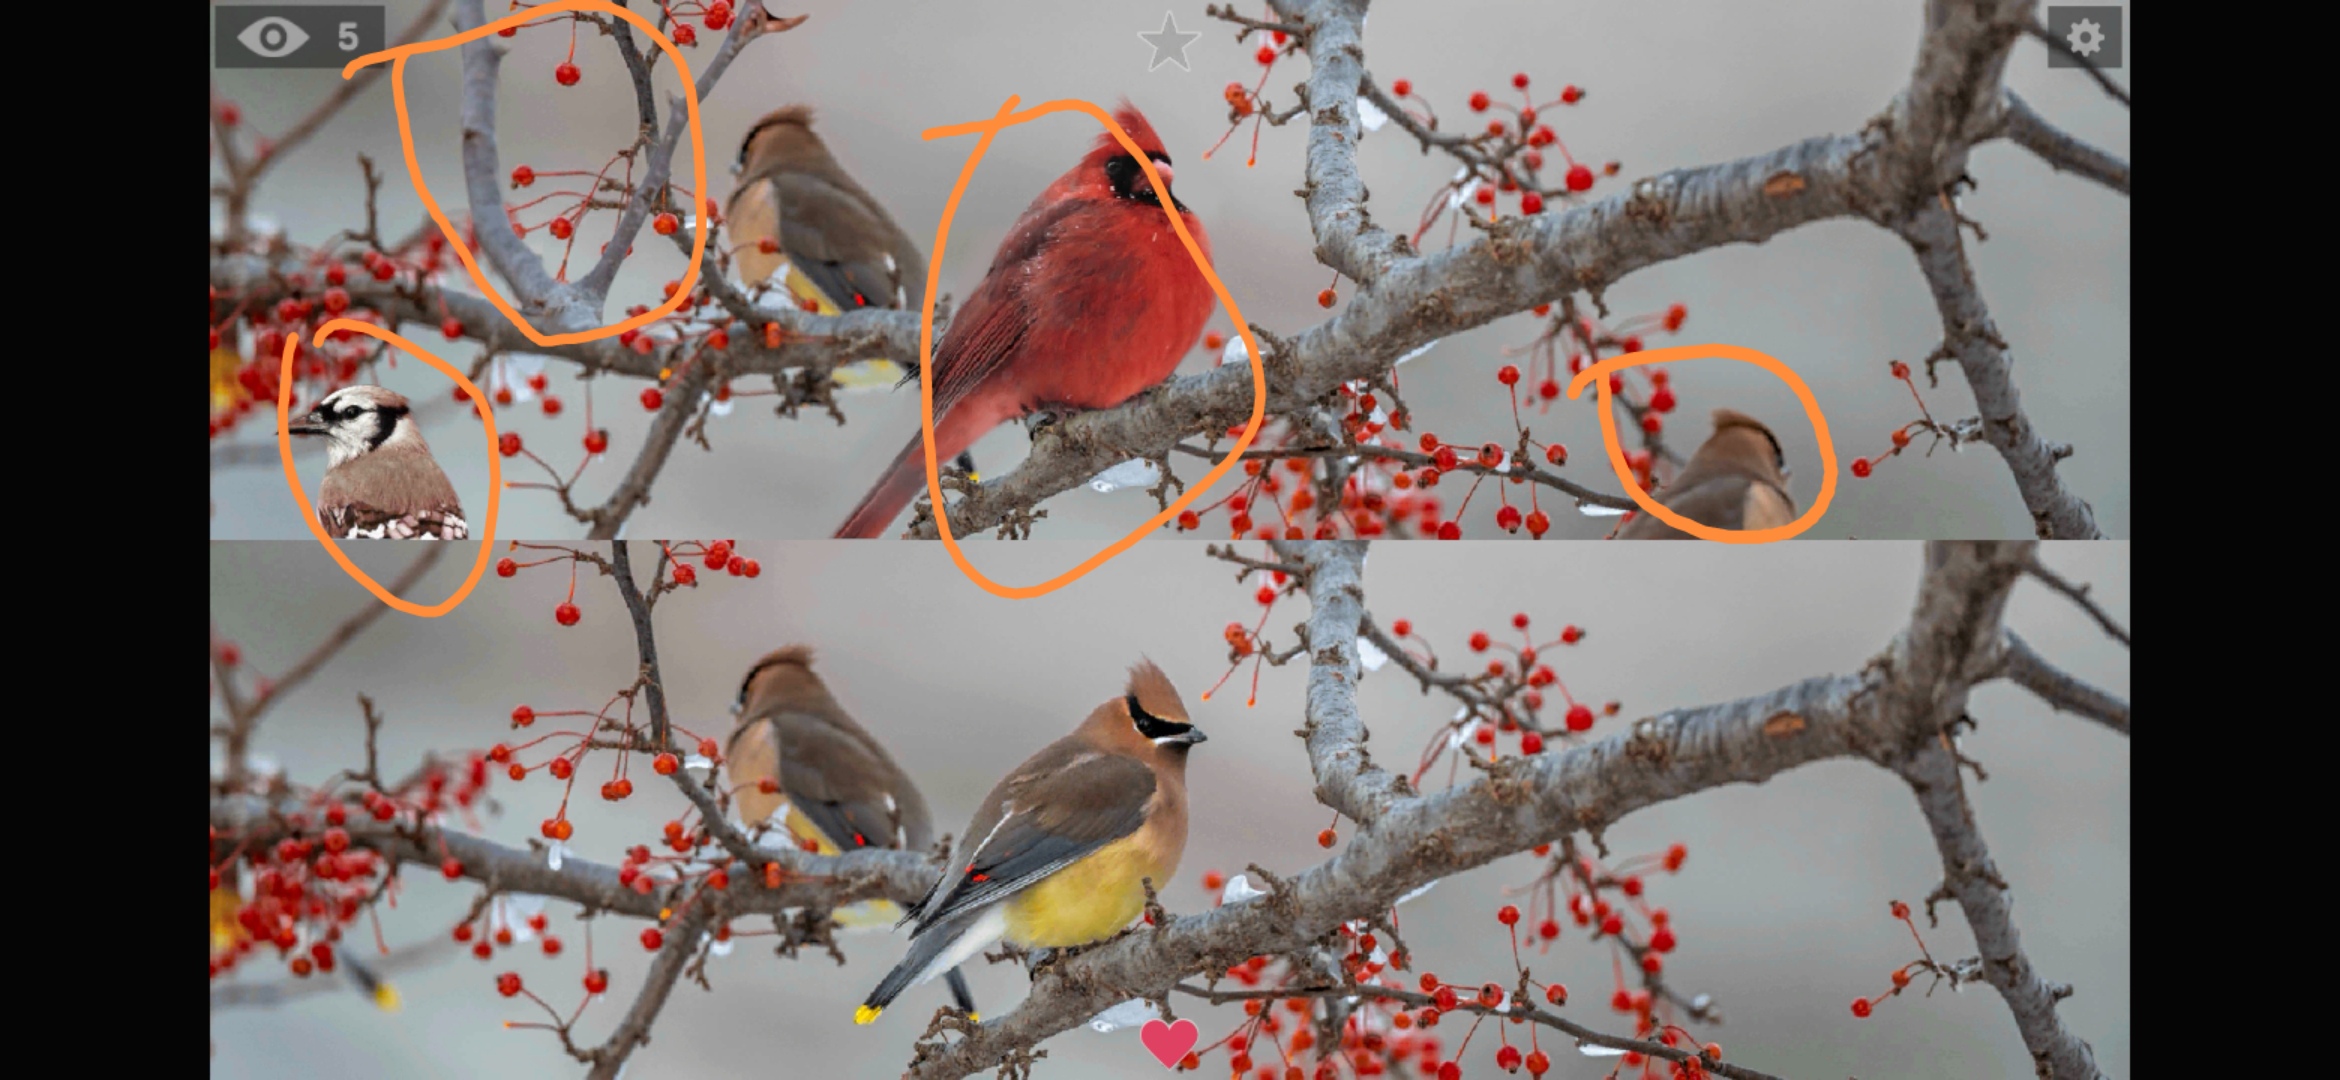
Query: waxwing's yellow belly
(1087, 901)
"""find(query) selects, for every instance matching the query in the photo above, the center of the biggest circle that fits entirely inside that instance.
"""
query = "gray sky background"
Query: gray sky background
(1781, 907)
(1672, 83)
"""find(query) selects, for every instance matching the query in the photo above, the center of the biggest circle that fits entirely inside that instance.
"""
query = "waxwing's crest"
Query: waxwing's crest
(1153, 692)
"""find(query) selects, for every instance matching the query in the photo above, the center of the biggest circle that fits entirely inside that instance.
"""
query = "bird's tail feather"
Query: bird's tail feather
(906, 476)
(940, 949)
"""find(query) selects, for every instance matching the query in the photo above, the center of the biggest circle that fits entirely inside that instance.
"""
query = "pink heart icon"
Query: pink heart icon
(1169, 1042)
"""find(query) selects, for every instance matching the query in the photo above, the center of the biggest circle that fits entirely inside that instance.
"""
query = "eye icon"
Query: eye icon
(273, 38)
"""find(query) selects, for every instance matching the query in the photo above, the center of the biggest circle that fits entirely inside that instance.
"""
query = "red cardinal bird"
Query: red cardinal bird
(1090, 300)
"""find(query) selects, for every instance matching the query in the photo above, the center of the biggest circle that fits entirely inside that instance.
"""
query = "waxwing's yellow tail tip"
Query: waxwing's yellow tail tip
(386, 997)
(866, 1013)
(974, 1018)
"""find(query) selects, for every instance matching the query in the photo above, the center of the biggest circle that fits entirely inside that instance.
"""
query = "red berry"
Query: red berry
(684, 575)
(567, 614)
(1485, 197)
(1327, 838)
(1479, 641)
(1447, 999)
(1507, 518)
(1449, 1071)
(652, 939)
(522, 716)
(1580, 718)
(452, 327)
(1531, 203)
(1861, 467)
(652, 399)
(567, 74)
(506, 568)
(664, 764)
(1579, 178)
(1860, 1007)
(1402, 627)
(1449, 530)
(1571, 635)
(665, 224)
(522, 176)
(1508, 915)
(1900, 438)
(1266, 54)
(1479, 101)
(508, 984)
(1662, 400)
(1531, 743)
(1537, 1063)
(1662, 940)
(1653, 423)
(1507, 1059)
(1402, 87)
(684, 35)
(552, 405)
(1508, 375)
(597, 980)
(1572, 95)
(509, 443)
(1899, 370)
(452, 869)
(596, 440)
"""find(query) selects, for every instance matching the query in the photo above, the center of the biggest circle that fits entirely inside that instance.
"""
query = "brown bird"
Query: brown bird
(1057, 852)
(797, 753)
(841, 249)
(796, 212)
(380, 481)
(1737, 480)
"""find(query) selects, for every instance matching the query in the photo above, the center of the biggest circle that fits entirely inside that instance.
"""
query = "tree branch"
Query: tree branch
(1973, 880)
(1972, 339)
(1346, 777)
(2063, 152)
(2063, 692)
(2078, 594)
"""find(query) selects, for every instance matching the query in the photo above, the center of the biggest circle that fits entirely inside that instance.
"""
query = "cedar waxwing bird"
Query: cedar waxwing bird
(1737, 480)
(380, 481)
(832, 784)
(1090, 301)
(1057, 851)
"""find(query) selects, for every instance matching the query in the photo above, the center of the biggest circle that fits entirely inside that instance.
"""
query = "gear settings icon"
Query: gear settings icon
(2086, 37)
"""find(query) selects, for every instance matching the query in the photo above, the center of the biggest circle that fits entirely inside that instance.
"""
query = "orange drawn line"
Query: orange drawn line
(682, 70)
(1598, 374)
(292, 476)
(988, 129)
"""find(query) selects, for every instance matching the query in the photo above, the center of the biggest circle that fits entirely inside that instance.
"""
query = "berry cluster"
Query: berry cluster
(248, 335)
(1296, 487)
(1504, 699)
(1900, 977)
(299, 893)
(1389, 1031)
(1862, 467)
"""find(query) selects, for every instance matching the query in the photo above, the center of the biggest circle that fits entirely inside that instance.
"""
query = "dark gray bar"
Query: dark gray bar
(295, 35)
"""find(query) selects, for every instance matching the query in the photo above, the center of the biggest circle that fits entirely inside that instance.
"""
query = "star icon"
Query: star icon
(1169, 43)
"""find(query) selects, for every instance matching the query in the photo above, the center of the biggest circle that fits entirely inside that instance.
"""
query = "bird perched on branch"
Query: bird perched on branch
(1737, 480)
(798, 754)
(1090, 300)
(380, 480)
(1057, 853)
(803, 225)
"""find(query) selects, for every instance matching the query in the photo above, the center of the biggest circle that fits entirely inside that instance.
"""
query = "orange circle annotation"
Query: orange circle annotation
(1598, 375)
(682, 69)
(292, 475)
(1008, 117)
